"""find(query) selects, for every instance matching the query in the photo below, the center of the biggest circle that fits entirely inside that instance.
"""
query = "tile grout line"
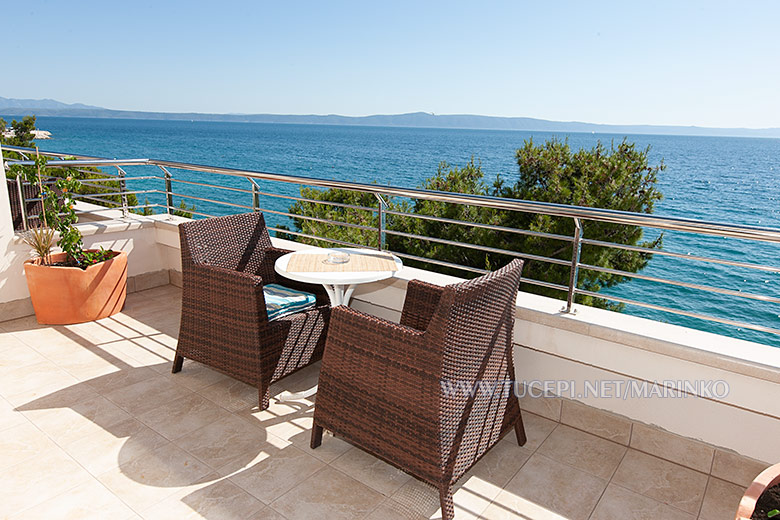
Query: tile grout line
(704, 496)
(609, 481)
(174, 490)
(268, 504)
(654, 499)
(514, 474)
(315, 474)
(68, 456)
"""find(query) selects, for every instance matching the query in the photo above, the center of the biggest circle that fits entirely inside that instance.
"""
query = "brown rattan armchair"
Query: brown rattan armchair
(225, 263)
(401, 391)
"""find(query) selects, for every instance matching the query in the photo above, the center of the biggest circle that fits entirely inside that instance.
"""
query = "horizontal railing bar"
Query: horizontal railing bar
(96, 199)
(118, 208)
(480, 248)
(326, 202)
(483, 226)
(84, 162)
(321, 220)
(689, 314)
(440, 262)
(106, 194)
(115, 193)
(541, 283)
(676, 283)
(59, 155)
(305, 235)
(674, 254)
(207, 185)
(203, 199)
(116, 178)
(97, 179)
(101, 186)
(268, 194)
(99, 210)
(476, 270)
(185, 210)
(99, 172)
(558, 210)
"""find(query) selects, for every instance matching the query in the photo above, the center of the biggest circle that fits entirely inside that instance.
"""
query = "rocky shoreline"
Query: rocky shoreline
(37, 134)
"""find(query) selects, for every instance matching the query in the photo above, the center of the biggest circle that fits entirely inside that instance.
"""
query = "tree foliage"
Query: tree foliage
(339, 212)
(22, 131)
(615, 177)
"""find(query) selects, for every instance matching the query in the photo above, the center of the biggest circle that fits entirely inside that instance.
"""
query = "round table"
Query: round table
(339, 285)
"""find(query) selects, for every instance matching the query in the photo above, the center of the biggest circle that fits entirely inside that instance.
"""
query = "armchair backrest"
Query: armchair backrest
(474, 319)
(236, 242)
(473, 326)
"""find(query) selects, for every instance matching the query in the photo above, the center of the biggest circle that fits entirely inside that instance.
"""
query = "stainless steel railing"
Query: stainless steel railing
(578, 214)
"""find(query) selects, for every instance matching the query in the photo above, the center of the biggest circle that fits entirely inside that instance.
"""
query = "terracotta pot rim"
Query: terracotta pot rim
(37, 261)
(766, 479)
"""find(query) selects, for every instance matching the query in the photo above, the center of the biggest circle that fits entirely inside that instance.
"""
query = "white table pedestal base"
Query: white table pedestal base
(339, 294)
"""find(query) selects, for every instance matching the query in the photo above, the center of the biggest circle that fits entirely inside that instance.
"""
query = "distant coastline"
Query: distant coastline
(51, 108)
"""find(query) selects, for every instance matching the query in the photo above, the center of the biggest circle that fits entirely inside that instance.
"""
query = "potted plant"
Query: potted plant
(76, 284)
(762, 498)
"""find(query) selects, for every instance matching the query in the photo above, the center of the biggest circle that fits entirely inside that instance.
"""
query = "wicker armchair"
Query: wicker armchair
(384, 386)
(225, 263)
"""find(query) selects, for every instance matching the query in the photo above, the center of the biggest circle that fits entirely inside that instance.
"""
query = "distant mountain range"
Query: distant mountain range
(50, 107)
(48, 104)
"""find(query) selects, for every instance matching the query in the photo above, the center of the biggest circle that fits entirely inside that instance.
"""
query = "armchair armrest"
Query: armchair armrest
(421, 301)
(269, 258)
(222, 288)
(378, 357)
(272, 254)
(399, 344)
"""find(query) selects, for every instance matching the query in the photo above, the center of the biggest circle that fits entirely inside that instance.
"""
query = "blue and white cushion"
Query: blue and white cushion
(281, 301)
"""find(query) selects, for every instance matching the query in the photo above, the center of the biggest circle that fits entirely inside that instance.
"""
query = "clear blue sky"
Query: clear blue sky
(706, 63)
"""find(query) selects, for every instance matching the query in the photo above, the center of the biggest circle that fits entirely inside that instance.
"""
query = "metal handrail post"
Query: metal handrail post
(575, 265)
(22, 203)
(123, 191)
(255, 196)
(168, 190)
(381, 225)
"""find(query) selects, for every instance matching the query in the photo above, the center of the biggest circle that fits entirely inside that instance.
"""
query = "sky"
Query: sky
(699, 63)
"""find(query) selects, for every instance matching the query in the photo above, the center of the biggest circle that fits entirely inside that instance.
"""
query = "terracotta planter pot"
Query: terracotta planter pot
(67, 295)
(766, 479)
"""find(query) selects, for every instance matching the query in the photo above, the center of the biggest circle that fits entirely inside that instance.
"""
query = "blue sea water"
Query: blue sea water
(735, 180)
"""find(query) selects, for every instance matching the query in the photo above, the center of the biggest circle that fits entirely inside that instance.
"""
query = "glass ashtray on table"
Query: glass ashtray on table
(337, 257)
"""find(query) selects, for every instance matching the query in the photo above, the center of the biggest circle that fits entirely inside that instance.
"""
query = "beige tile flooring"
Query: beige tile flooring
(94, 425)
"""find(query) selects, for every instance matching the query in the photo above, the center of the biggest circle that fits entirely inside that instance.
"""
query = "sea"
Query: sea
(718, 179)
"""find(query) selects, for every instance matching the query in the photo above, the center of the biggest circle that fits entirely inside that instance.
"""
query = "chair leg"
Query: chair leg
(177, 363)
(316, 436)
(264, 398)
(520, 430)
(447, 505)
